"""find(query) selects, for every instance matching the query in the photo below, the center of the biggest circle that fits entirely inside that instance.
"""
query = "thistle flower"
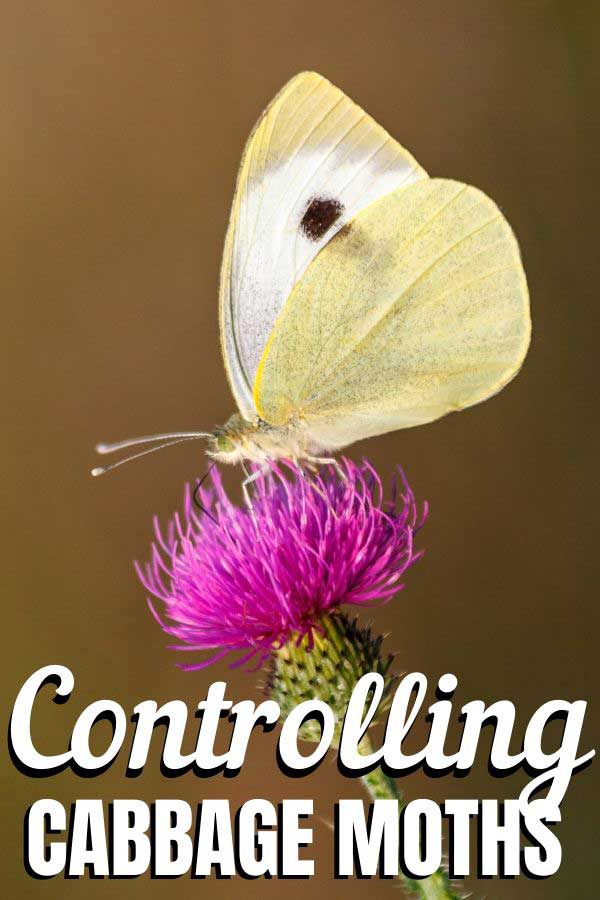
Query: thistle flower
(254, 580)
(270, 581)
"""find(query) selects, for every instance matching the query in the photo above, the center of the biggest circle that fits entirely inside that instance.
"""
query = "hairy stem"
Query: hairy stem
(381, 787)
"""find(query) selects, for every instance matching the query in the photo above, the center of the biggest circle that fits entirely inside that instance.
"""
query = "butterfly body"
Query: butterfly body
(240, 441)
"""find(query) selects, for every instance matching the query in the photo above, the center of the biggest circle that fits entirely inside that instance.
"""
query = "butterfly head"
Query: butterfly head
(230, 442)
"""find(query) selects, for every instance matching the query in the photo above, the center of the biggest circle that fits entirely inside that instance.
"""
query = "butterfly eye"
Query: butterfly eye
(223, 442)
(321, 213)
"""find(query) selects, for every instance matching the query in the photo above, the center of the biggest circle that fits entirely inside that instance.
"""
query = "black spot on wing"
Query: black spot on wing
(321, 213)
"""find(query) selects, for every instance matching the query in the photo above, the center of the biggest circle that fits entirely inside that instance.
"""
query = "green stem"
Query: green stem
(381, 787)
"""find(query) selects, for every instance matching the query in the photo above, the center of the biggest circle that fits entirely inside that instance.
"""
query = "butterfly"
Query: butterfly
(358, 295)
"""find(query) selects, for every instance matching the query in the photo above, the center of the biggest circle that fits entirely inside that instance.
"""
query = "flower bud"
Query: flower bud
(328, 668)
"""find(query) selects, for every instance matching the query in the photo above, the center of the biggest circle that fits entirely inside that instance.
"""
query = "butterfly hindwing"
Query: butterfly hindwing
(417, 308)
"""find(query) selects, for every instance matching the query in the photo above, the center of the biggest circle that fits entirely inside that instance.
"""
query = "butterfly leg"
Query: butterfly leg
(248, 480)
(328, 461)
(303, 473)
(315, 462)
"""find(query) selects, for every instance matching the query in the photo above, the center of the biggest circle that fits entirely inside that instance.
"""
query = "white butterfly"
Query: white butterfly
(358, 295)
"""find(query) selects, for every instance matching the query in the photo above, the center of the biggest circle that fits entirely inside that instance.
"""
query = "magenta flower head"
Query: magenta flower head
(236, 579)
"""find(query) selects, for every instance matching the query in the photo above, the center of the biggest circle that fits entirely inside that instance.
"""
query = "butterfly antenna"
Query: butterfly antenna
(199, 484)
(149, 439)
(173, 438)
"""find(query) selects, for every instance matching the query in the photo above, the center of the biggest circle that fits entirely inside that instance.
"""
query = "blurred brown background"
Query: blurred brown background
(122, 127)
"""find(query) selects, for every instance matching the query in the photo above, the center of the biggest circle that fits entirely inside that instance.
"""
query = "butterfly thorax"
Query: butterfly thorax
(257, 441)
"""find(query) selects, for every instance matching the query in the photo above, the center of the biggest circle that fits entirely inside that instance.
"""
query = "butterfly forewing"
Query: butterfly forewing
(313, 161)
